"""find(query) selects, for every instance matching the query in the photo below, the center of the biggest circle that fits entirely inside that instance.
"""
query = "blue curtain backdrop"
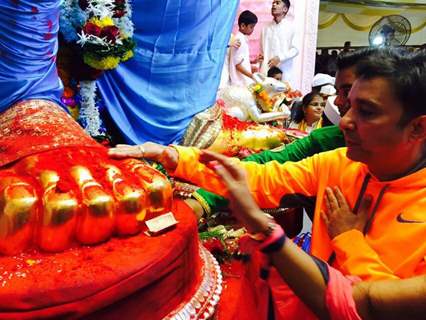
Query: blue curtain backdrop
(28, 46)
(176, 69)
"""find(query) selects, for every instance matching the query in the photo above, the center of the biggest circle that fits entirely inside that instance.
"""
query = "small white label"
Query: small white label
(160, 223)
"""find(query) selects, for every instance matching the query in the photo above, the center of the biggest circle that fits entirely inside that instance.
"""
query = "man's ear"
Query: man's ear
(418, 129)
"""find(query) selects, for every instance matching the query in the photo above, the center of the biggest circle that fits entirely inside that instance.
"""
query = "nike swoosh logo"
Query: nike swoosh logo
(401, 219)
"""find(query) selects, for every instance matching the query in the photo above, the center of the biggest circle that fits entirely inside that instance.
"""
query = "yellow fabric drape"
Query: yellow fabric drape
(354, 26)
(418, 28)
(329, 22)
(332, 19)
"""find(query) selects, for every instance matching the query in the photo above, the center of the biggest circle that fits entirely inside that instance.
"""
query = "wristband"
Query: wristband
(274, 238)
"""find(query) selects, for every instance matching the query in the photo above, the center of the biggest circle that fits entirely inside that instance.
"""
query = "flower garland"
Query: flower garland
(103, 29)
(89, 115)
(223, 242)
(106, 36)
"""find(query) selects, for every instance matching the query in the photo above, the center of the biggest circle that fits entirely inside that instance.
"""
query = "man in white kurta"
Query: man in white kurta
(278, 42)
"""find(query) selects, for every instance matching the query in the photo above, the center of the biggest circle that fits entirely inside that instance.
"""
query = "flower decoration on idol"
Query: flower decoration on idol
(222, 241)
(100, 35)
(103, 43)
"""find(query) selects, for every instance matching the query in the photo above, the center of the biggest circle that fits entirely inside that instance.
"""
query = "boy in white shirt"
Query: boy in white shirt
(239, 60)
(224, 77)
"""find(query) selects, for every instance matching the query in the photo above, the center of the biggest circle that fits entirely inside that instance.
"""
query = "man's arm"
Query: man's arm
(237, 58)
(320, 140)
(241, 69)
(260, 57)
(391, 299)
(292, 50)
(268, 183)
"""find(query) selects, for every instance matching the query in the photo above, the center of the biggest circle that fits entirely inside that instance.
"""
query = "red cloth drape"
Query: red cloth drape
(34, 126)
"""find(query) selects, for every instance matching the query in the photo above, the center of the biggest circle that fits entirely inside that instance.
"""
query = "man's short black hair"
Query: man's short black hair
(406, 73)
(350, 59)
(247, 17)
(274, 71)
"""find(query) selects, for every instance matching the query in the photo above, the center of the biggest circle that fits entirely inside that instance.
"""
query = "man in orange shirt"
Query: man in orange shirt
(381, 172)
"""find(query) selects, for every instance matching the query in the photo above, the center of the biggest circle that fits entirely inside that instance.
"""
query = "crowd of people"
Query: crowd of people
(361, 170)
(326, 58)
(368, 221)
(325, 61)
(278, 48)
(278, 51)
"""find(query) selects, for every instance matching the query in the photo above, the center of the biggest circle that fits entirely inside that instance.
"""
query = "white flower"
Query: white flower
(125, 23)
(101, 8)
(83, 38)
(92, 39)
(88, 110)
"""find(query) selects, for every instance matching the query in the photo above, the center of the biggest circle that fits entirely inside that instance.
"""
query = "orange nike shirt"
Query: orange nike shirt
(395, 245)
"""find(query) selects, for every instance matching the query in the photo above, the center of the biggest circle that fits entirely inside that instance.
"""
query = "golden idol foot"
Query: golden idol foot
(96, 219)
(159, 195)
(57, 199)
(59, 215)
(18, 214)
(130, 202)
(58, 212)
(158, 187)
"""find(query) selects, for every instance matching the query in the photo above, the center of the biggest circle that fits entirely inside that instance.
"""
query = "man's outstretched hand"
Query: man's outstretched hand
(167, 156)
